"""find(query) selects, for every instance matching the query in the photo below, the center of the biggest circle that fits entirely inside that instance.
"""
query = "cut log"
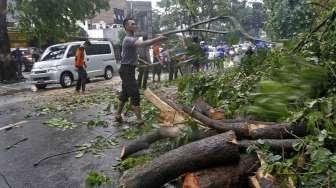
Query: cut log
(213, 113)
(229, 176)
(246, 129)
(145, 141)
(239, 128)
(168, 113)
(262, 179)
(213, 151)
(190, 181)
(266, 180)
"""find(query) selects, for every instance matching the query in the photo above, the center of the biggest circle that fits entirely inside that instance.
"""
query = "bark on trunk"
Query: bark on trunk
(239, 128)
(229, 176)
(7, 67)
(217, 150)
(253, 129)
(209, 111)
(4, 40)
(145, 141)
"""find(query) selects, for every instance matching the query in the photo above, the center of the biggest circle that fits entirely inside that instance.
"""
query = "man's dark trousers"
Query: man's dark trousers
(82, 79)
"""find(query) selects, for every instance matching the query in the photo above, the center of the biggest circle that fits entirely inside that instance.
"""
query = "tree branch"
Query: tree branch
(232, 19)
(331, 17)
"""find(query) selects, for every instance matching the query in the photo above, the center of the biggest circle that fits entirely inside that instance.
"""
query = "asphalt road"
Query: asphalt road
(65, 171)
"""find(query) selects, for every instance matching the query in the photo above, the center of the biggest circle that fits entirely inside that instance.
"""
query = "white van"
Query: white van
(57, 63)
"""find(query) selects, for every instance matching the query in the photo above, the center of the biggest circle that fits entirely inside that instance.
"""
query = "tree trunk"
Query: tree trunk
(145, 141)
(251, 129)
(229, 176)
(4, 40)
(243, 129)
(217, 150)
(209, 111)
(168, 113)
(7, 67)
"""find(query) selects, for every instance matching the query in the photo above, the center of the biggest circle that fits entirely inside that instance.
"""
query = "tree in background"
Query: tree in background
(52, 20)
(287, 18)
(179, 13)
(7, 68)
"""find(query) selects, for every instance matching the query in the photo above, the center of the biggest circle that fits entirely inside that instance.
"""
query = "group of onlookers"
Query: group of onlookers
(23, 58)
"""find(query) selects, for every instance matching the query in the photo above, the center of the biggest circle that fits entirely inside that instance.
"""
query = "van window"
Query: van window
(72, 51)
(56, 52)
(98, 49)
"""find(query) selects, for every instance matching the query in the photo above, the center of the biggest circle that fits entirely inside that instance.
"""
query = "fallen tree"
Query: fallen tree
(207, 110)
(168, 113)
(209, 152)
(243, 129)
(246, 129)
(235, 175)
(145, 141)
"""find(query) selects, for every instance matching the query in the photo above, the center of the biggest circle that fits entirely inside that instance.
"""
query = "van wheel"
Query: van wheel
(66, 79)
(108, 73)
(41, 86)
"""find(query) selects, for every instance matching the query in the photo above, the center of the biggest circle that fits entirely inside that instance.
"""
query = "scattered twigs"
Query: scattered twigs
(16, 143)
(5, 179)
(56, 155)
(10, 126)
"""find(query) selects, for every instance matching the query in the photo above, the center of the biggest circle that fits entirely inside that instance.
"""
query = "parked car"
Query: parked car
(56, 65)
(27, 59)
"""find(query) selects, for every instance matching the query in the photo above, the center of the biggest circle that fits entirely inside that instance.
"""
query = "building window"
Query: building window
(118, 16)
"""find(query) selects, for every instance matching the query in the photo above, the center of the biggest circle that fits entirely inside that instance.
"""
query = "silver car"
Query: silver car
(57, 63)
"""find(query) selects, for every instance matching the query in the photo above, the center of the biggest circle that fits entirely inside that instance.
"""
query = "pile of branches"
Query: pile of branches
(216, 157)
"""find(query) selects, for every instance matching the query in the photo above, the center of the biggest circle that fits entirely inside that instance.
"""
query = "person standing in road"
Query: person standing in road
(129, 61)
(157, 61)
(144, 59)
(18, 57)
(81, 67)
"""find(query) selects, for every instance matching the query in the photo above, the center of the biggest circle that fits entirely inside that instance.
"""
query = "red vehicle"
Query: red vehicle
(28, 60)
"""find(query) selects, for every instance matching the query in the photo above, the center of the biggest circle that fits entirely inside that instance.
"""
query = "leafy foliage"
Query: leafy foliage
(60, 123)
(95, 179)
(179, 13)
(70, 103)
(313, 166)
(287, 18)
(291, 81)
(269, 87)
(97, 123)
(55, 19)
(132, 162)
(96, 146)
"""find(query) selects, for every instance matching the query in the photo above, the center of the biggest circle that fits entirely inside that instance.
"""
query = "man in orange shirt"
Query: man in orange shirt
(81, 67)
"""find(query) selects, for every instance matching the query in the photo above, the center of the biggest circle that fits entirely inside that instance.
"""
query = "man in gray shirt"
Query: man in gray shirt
(129, 61)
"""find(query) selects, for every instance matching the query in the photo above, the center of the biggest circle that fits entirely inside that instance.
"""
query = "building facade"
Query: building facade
(110, 18)
(141, 11)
